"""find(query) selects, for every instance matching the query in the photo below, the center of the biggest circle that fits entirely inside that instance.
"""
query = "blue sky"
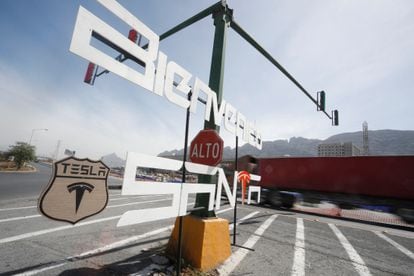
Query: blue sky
(359, 51)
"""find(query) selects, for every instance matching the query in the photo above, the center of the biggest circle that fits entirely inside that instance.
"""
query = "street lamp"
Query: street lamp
(33, 131)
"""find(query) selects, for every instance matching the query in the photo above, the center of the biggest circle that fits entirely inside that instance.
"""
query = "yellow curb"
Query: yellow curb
(205, 242)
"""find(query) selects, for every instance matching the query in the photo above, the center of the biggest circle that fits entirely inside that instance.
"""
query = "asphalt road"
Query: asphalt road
(284, 243)
(26, 185)
(21, 185)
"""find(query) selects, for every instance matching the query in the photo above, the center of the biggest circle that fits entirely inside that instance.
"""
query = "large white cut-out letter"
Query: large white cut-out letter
(87, 24)
(180, 192)
(172, 70)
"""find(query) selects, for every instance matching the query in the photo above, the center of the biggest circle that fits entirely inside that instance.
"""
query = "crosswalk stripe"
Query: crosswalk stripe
(231, 263)
(106, 248)
(357, 261)
(396, 245)
(298, 267)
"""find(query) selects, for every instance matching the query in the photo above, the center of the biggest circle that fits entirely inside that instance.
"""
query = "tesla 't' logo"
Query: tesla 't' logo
(77, 190)
(80, 188)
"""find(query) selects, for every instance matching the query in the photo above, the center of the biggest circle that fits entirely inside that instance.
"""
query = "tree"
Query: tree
(22, 152)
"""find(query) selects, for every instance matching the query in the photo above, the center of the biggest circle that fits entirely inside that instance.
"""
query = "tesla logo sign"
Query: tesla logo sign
(179, 191)
(77, 190)
(159, 73)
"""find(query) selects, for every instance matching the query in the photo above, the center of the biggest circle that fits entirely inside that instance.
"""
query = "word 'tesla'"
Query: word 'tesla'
(159, 73)
(77, 190)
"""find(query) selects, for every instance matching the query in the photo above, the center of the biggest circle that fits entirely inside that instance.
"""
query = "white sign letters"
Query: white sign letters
(159, 74)
(179, 191)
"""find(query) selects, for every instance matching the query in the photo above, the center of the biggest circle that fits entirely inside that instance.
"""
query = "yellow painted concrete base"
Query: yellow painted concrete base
(205, 242)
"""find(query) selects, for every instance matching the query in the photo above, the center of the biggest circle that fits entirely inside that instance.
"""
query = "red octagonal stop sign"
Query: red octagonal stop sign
(206, 148)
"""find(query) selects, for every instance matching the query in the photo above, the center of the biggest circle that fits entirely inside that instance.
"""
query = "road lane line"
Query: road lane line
(17, 208)
(298, 267)
(356, 260)
(138, 202)
(224, 210)
(105, 248)
(50, 230)
(231, 263)
(19, 218)
(37, 271)
(395, 244)
(35, 206)
(243, 219)
(111, 206)
(137, 197)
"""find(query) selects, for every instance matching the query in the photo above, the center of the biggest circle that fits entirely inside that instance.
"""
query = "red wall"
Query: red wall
(384, 176)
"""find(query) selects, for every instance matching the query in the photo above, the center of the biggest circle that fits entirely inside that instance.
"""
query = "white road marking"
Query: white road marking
(397, 245)
(243, 219)
(138, 202)
(298, 267)
(136, 197)
(37, 271)
(111, 206)
(105, 248)
(35, 206)
(231, 263)
(357, 261)
(50, 230)
(18, 208)
(224, 210)
(19, 218)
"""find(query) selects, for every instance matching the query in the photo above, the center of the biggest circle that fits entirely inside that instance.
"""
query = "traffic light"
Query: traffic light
(133, 35)
(335, 118)
(90, 74)
(321, 101)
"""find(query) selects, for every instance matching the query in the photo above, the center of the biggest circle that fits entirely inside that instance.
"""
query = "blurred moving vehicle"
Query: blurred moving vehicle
(377, 182)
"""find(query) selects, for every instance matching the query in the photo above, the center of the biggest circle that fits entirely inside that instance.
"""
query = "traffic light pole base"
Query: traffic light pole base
(205, 242)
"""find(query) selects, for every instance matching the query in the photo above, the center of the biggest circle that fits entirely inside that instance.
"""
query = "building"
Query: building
(338, 149)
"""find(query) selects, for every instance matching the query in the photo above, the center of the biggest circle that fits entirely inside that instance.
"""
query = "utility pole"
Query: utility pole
(55, 154)
(33, 131)
(222, 17)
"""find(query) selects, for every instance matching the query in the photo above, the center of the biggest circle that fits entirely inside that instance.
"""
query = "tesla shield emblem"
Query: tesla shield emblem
(77, 190)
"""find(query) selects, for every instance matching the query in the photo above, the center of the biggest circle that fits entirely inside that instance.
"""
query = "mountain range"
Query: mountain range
(381, 142)
(113, 161)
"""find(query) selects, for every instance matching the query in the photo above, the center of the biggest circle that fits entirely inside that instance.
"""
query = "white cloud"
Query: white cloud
(359, 52)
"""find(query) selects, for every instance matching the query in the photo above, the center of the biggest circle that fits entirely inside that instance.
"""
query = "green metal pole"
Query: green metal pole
(222, 17)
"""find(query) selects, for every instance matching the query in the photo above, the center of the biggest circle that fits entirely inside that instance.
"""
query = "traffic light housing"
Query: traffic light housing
(90, 74)
(321, 101)
(335, 117)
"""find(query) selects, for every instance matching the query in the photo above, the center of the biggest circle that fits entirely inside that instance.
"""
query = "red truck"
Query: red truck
(349, 182)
